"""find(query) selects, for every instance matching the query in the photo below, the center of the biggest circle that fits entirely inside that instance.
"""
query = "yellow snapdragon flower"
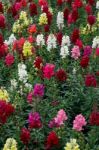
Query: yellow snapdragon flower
(27, 49)
(22, 23)
(98, 17)
(23, 15)
(16, 27)
(4, 95)
(72, 145)
(10, 144)
(43, 19)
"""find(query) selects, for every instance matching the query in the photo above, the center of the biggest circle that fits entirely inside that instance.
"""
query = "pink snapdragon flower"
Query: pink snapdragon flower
(59, 119)
(30, 97)
(48, 71)
(75, 52)
(87, 50)
(34, 120)
(38, 90)
(9, 59)
(18, 6)
(97, 51)
(79, 122)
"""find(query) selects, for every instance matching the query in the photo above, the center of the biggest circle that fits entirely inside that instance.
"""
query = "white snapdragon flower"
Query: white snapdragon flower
(51, 42)
(13, 84)
(64, 51)
(97, 5)
(11, 39)
(29, 86)
(74, 71)
(95, 42)
(66, 41)
(60, 20)
(22, 73)
(40, 40)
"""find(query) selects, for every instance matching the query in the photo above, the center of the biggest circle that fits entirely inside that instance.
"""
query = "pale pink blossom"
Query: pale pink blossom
(75, 52)
(61, 117)
(79, 122)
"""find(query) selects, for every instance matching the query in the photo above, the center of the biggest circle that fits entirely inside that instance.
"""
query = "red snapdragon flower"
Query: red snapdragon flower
(75, 35)
(49, 17)
(78, 3)
(33, 9)
(52, 140)
(91, 2)
(48, 71)
(1, 39)
(18, 45)
(3, 50)
(45, 9)
(2, 21)
(74, 15)
(59, 2)
(91, 19)
(90, 81)
(79, 43)
(94, 118)
(9, 59)
(43, 2)
(6, 109)
(84, 61)
(46, 28)
(1, 7)
(88, 9)
(59, 36)
(25, 135)
(61, 75)
(66, 13)
(38, 62)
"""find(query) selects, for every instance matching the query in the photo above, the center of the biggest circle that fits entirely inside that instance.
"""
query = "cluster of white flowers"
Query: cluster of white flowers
(51, 42)
(22, 72)
(60, 20)
(29, 86)
(97, 5)
(11, 39)
(64, 51)
(40, 40)
(66, 41)
(13, 84)
(95, 42)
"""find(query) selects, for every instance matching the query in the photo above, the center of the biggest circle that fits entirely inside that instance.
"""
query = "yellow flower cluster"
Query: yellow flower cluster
(98, 16)
(10, 144)
(27, 49)
(4, 95)
(98, 20)
(88, 29)
(72, 145)
(22, 23)
(43, 19)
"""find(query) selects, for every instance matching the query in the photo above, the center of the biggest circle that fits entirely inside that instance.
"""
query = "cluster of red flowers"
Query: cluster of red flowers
(52, 140)
(6, 109)
(94, 118)
(3, 47)
(25, 135)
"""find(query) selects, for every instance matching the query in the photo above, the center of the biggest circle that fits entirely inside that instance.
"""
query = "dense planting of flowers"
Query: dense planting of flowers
(49, 75)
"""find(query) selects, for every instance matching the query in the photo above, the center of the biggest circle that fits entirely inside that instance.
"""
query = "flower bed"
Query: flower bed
(49, 75)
